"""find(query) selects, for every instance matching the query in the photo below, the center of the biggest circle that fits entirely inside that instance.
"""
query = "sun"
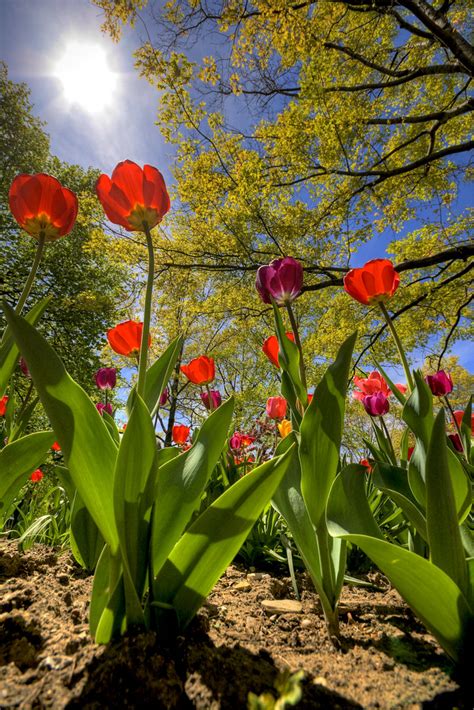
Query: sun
(86, 77)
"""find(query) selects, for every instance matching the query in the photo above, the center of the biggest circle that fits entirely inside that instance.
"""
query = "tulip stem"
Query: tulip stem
(143, 362)
(294, 327)
(32, 274)
(399, 345)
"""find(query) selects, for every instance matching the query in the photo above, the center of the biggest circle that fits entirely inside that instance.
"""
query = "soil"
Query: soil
(235, 645)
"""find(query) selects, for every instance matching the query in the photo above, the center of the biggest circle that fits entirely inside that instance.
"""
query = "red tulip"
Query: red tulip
(56, 447)
(200, 371)
(458, 416)
(180, 433)
(376, 404)
(310, 398)
(3, 405)
(376, 281)
(456, 441)
(366, 463)
(133, 198)
(126, 337)
(410, 452)
(36, 475)
(401, 388)
(101, 408)
(271, 348)
(370, 385)
(42, 206)
(440, 383)
(281, 280)
(276, 407)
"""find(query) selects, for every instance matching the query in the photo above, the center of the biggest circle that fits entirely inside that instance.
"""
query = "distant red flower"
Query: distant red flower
(410, 452)
(101, 408)
(134, 197)
(164, 397)
(401, 388)
(126, 337)
(276, 407)
(214, 401)
(42, 206)
(376, 281)
(370, 385)
(271, 347)
(440, 383)
(310, 398)
(36, 475)
(3, 405)
(200, 371)
(24, 367)
(180, 433)
(56, 447)
(367, 464)
(456, 441)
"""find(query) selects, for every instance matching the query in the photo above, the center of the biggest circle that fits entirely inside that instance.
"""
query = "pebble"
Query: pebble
(242, 586)
(320, 680)
(255, 576)
(282, 606)
(306, 623)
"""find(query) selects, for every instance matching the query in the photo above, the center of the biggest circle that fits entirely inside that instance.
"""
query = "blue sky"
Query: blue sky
(33, 37)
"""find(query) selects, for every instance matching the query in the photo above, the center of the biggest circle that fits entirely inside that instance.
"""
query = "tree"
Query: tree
(81, 271)
(312, 128)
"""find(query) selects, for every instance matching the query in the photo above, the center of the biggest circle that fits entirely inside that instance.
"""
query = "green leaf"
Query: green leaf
(9, 352)
(181, 481)
(17, 461)
(446, 549)
(112, 427)
(87, 446)
(107, 617)
(418, 414)
(321, 433)
(213, 540)
(446, 612)
(394, 481)
(289, 357)
(85, 536)
(134, 486)
(157, 376)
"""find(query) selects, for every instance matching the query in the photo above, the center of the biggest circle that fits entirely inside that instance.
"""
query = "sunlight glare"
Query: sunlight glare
(86, 77)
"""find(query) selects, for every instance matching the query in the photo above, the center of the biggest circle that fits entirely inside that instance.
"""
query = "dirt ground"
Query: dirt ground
(238, 643)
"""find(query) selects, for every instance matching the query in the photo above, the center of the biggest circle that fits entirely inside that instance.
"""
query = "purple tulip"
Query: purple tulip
(101, 408)
(235, 441)
(440, 383)
(216, 399)
(164, 397)
(376, 404)
(456, 441)
(106, 378)
(281, 280)
(24, 367)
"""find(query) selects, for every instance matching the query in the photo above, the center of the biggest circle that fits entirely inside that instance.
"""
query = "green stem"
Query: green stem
(142, 365)
(392, 450)
(294, 327)
(32, 274)
(398, 343)
(328, 602)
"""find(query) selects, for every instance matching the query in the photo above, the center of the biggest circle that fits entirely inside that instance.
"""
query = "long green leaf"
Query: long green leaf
(433, 596)
(289, 357)
(157, 376)
(9, 351)
(181, 481)
(17, 461)
(394, 481)
(321, 433)
(213, 540)
(446, 549)
(418, 414)
(87, 446)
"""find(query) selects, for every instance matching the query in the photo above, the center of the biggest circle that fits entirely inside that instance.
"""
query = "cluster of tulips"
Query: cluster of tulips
(134, 518)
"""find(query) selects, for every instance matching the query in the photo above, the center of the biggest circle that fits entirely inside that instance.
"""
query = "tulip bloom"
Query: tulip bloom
(376, 404)
(215, 400)
(281, 280)
(284, 427)
(440, 383)
(310, 398)
(126, 337)
(164, 397)
(42, 206)
(101, 408)
(375, 282)
(24, 367)
(410, 452)
(180, 433)
(456, 441)
(401, 388)
(366, 463)
(458, 416)
(3, 405)
(271, 348)
(56, 447)
(135, 199)
(106, 378)
(36, 475)
(370, 385)
(276, 407)
(200, 371)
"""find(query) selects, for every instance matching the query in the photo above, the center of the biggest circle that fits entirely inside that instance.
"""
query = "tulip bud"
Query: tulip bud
(24, 367)
(3, 405)
(164, 397)
(376, 404)
(180, 433)
(456, 441)
(101, 408)
(36, 475)
(235, 441)
(440, 383)
(106, 378)
(215, 400)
